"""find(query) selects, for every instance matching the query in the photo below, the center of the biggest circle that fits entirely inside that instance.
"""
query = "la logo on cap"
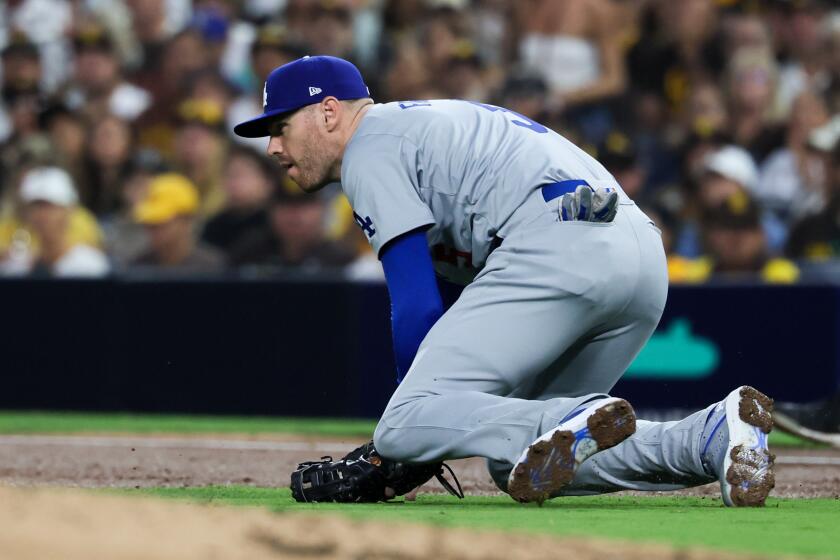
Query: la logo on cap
(299, 83)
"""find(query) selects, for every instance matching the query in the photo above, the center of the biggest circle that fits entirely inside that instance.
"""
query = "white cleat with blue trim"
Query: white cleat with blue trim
(733, 447)
(550, 462)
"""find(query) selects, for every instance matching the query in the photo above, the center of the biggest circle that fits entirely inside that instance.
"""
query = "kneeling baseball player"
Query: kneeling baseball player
(565, 280)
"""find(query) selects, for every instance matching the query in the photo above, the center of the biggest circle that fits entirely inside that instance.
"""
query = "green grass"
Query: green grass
(801, 527)
(36, 422)
(88, 422)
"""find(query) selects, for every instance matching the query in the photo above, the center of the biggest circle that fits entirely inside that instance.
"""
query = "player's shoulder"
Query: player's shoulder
(388, 127)
(398, 117)
(417, 106)
(405, 124)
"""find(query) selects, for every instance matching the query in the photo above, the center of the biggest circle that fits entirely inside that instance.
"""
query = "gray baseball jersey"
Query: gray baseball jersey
(556, 314)
(468, 170)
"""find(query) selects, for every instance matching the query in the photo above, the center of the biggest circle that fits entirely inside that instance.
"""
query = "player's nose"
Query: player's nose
(275, 146)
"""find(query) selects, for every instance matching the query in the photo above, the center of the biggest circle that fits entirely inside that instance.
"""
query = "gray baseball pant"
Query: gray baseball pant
(552, 321)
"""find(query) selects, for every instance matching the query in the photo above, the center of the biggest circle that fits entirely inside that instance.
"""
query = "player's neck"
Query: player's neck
(357, 119)
(351, 130)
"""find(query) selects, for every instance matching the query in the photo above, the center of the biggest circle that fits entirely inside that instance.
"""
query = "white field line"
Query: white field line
(244, 445)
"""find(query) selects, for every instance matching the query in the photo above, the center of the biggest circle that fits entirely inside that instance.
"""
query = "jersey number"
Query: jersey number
(525, 122)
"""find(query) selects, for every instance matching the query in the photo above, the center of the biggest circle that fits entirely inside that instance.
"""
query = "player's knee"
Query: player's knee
(390, 443)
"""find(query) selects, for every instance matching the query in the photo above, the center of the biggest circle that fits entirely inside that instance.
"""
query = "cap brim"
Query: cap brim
(151, 214)
(54, 201)
(258, 127)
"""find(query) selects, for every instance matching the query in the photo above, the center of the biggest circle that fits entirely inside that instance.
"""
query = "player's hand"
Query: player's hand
(589, 205)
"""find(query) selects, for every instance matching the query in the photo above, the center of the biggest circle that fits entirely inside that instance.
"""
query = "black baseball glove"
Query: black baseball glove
(364, 476)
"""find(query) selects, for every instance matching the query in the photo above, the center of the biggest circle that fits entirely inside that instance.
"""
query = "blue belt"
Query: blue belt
(555, 190)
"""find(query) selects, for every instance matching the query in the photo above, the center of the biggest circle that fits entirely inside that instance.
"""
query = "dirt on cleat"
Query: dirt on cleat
(751, 471)
(612, 424)
(551, 464)
(756, 409)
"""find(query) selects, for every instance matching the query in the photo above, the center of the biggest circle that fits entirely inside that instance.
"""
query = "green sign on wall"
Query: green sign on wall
(675, 353)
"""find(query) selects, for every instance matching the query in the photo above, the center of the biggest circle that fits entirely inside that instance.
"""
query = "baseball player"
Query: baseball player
(565, 282)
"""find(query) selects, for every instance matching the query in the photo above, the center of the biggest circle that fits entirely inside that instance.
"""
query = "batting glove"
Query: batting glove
(589, 205)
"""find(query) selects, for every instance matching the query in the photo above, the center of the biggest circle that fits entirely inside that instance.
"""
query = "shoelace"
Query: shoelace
(459, 493)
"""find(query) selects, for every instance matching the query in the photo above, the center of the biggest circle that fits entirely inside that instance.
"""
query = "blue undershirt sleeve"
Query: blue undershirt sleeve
(416, 303)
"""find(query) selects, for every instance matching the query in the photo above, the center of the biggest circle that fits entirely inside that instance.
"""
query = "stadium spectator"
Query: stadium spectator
(817, 238)
(20, 92)
(525, 93)
(44, 23)
(99, 88)
(701, 75)
(21, 77)
(680, 45)
(67, 131)
(696, 151)
(751, 82)
(210, 85)
(735, 244)
(125, 239)
(183, 56)
(168, 213)
(109, 150)
(732, 235)
(727, 172)
(15, 234)
(248, 180)
(200, 150)
(49, 198)
(723, 173)
(618, 154)
(152, 28)
(746, 30)
(676, 201)
(442, 27)
(464, 75)
(16, 158)
(295, 238)
(409, 75)
(706, 112)
(328, 29)
(785, 185)
(574, 46)
(805, 40)
(211, 18)
(491, 33)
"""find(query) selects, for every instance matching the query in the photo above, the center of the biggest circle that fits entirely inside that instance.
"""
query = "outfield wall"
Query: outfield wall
(323, 348)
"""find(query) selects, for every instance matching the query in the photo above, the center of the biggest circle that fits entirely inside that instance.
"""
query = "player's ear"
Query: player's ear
(331, 110)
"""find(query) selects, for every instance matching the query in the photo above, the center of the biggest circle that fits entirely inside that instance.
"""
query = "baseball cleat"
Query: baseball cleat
(550, 463)
(736, 448)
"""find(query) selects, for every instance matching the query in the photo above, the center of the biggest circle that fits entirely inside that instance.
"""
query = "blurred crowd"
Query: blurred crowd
(721, 118)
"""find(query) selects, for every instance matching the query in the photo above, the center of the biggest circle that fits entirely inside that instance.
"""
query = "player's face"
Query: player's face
(297, 144)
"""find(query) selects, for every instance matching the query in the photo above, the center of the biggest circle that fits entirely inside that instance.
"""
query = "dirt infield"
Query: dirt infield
(121, 461)
(72, 525)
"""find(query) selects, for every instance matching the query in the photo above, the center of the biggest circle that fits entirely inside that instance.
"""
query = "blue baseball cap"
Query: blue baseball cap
(303, 82)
